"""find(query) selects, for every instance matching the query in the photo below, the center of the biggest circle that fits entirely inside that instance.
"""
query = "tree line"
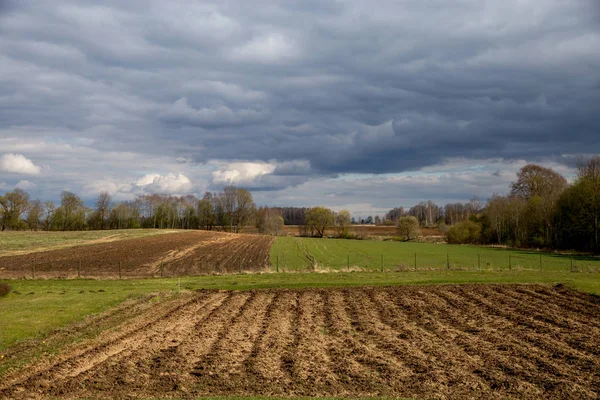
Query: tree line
(541, 210)
(230, 210)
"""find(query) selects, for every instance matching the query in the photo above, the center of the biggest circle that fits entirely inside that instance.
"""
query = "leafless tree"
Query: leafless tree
(589, 174)
(103, 208)
(534, 180)
(34, 214)
(343, 219)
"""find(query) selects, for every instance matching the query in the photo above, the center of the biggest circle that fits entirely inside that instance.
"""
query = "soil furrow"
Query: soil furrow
(384, 367)
(507, 359)
(313, 371)
(447, 366)
(266, 363)
(582, 312)
(226, 361)
(448, 341)
(523, 329)
(136, 326)
(554, 321)
(413, 364)
(544, 324)
(132, 359)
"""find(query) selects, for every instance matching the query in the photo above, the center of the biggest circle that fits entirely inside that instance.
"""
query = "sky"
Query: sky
(347, 104)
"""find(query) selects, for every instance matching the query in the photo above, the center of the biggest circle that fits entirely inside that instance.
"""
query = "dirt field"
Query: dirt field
(189, 253)
(448, 341)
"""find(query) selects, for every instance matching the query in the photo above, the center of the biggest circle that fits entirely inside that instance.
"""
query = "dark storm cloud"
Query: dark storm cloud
(317, 88)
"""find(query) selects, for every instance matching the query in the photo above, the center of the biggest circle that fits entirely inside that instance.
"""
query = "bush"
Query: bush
(407, 227)
(466, 232)
(4, 289)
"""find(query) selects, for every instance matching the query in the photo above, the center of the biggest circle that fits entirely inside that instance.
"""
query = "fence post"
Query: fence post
(509, 262)
(447, 260)
(571, 263)
(415, 261)
(161, 269)
(277, 262)
(382, 263)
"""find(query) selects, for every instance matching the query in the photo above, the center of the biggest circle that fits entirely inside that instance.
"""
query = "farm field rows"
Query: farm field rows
(293, 254)
(35, 308)
(16, 243)
(184, 253)
(447, 341)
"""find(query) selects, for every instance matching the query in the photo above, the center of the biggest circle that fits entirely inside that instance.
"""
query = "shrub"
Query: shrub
(4, 289)
(407, 227)
(466, 232)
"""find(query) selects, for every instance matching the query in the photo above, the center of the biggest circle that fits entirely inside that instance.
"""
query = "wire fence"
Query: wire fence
(124, 269)
(288, 263)
(437, 262)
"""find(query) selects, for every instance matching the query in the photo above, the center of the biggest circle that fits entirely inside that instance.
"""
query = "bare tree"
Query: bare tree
(394, 214)
(206, 212)
(497, 210)
(71, 211)
(34, 214)
(343, 220)
(244, 210)
(49, 213)
(475, 206)
(534, 180)
(589, 174)
(103, 208)
(269, 220)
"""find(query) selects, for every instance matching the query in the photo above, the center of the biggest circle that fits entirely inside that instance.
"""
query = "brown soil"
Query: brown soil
(448, 341)
(187, 253)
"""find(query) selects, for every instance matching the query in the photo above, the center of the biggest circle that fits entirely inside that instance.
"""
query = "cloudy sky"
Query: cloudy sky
(343, 103)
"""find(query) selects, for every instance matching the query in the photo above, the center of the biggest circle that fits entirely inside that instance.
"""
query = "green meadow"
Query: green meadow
(295, 254)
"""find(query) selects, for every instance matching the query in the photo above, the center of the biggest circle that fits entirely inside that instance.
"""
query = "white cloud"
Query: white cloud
(105, 185)
(25, 185)
(18, 164)
(245, 172)
(175, 184)
(164, 184)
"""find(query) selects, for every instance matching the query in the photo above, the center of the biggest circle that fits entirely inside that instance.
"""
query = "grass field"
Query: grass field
(13, 243)
(293, 254)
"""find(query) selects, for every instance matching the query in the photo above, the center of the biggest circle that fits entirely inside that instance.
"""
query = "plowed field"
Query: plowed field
(449, 341)
(189, 253)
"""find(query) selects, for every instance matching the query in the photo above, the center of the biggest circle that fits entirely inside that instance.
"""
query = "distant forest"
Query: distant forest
(542, 210)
